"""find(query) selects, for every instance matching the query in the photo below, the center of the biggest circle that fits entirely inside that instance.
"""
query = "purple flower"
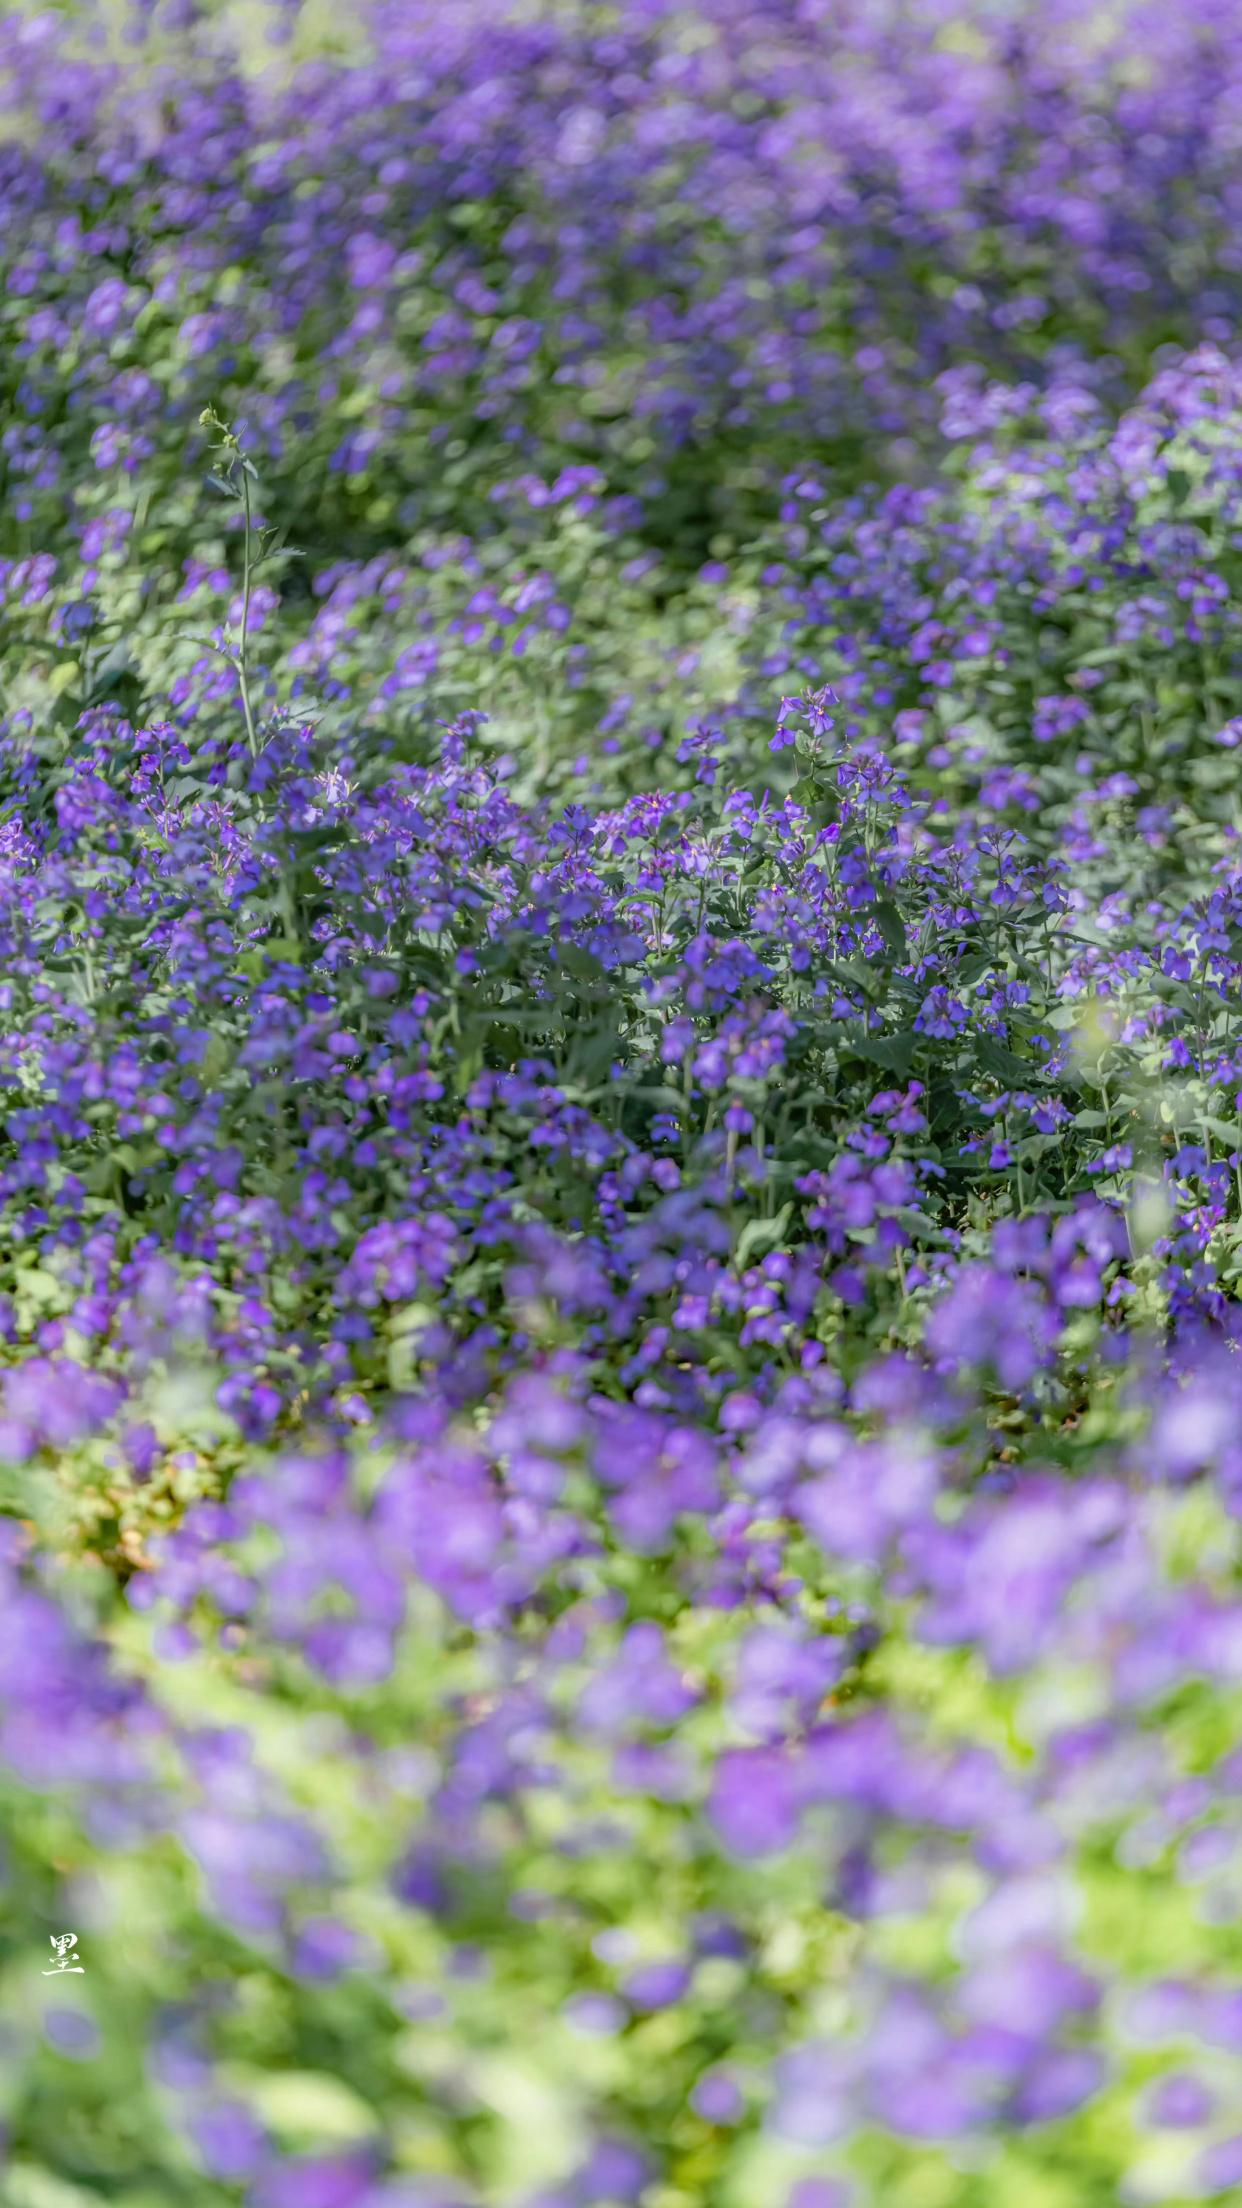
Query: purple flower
(656, 1985)
(230, 2143)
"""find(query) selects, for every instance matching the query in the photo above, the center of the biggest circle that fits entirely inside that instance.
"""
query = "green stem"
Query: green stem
(242, 671)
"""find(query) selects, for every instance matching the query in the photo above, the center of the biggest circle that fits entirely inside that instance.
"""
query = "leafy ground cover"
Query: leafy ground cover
(621, 1136)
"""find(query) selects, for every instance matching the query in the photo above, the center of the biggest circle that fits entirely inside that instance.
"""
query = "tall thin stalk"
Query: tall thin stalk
(235, 472)
(243, 681)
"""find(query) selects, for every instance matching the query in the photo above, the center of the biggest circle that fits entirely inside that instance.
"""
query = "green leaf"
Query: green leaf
(893, 928)
(534, 1017)
(973, 965)
(863, 976)
(576, 960)
(26, 2186)
(894, 1052)
(1179, 483)
(668, 1100)
(1005, 1065)
(309, 2105)
(759, 1236)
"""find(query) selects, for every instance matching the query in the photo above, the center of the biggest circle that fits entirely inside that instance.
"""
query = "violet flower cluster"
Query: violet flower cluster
(620, 1107)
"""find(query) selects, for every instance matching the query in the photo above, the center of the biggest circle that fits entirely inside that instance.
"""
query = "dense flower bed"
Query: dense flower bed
(687, 245)
(621, 1119)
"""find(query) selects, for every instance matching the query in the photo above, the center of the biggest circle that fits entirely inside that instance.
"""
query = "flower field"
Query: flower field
(621, 1104)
